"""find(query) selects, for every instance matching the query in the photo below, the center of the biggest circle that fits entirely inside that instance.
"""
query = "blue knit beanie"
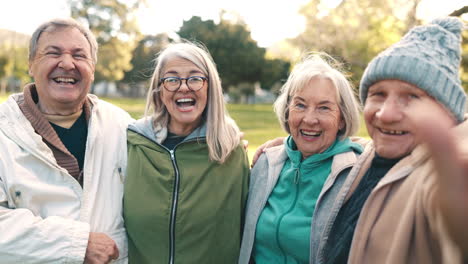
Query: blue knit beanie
(428, 57)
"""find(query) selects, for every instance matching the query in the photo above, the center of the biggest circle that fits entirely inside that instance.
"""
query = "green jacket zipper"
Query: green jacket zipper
(175, 197)
(175, 192)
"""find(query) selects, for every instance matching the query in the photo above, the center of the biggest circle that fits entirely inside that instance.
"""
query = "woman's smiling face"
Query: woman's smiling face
(185, 106)
(314, 116)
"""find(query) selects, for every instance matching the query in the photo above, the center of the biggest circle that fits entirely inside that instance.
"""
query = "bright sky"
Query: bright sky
(269, 21)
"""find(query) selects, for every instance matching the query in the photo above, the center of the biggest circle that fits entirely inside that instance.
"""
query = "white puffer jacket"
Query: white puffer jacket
(45, 215)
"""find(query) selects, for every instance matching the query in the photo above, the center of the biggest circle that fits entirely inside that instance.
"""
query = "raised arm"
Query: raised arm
(449, 151)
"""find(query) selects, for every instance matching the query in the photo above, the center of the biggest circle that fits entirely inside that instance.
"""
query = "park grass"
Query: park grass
(258, 122)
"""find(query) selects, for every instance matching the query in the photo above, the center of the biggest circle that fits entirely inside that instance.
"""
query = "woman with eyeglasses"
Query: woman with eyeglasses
(187, 173)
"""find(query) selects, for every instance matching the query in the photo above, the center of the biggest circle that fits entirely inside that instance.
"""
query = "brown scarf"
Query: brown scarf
(41, 125)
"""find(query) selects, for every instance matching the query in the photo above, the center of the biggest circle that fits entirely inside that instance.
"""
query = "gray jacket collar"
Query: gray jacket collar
(158, 133)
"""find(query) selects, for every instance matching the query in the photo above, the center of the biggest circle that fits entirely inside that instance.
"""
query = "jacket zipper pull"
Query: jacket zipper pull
(296, 177)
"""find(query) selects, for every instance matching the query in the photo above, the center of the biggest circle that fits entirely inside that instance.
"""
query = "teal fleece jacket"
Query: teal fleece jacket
(264, 177)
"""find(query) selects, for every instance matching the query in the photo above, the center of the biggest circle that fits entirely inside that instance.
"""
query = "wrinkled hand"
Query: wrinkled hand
(270, 143)
(435, 128)
(101, 249)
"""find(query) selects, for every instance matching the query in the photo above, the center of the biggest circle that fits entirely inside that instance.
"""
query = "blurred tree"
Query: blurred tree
(460, 11)
(3, 65)
(247, 90)
(143, 57)
(114, 24)
(13, 67)
(464, 63)
(136, 81)
(356, 30)
(3, 71)
(237, 55)
(274, 71)
(19, 70)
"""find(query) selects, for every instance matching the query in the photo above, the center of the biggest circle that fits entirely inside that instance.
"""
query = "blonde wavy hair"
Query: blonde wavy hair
(222, 133)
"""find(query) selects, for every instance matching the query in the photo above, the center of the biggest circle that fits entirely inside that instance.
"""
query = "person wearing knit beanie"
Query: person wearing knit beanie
(407, 201)
(427, 56)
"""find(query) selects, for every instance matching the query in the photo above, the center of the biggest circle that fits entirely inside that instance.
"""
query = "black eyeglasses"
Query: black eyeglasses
(173, 84)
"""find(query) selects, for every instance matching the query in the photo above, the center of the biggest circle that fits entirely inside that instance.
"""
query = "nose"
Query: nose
(390, 111)
(311, 117)
(67, 62)
(184, 86)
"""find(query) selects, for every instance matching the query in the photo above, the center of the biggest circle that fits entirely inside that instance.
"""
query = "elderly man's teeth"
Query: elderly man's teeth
(393, 132)
(65, 80)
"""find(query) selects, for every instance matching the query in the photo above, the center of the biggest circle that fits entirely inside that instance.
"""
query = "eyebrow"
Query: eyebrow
(52, 47)
(191, 72)
(320, 103)
(60, 49)
(326, 102)
(374, 87)
(412, 88)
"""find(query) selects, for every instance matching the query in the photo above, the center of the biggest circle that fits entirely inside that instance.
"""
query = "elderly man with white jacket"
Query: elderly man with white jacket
(62, 158)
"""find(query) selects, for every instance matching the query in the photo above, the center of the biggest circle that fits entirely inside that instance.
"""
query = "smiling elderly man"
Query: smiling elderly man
(63, 152)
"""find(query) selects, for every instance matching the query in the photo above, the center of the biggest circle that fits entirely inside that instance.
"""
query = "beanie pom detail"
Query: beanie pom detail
(451, 24)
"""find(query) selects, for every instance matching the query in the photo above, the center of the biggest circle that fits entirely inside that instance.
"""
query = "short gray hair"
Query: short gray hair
(53, 25)
(324, 66)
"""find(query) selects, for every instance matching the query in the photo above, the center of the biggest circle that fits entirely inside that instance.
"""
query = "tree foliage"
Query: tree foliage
(13, 66)
(356, 30)
(238, 57)
(143, 57)
(114, 24)
(3, 65)
(464, 63)
(274, 71)
(236, 54)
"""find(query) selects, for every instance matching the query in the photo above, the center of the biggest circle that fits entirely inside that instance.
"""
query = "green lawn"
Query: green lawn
(258, 122)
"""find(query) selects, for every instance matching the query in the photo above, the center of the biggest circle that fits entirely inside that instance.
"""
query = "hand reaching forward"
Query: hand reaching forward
(101, 249)
(435, 128)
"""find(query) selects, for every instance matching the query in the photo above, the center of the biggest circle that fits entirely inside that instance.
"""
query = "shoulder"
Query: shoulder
(108, 110)
(238, 156)
(364, 142)
(272, 157)
(355, 147)
(11, 103)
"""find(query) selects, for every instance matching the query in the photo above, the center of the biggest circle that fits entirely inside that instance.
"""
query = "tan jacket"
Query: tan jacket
(400, 221)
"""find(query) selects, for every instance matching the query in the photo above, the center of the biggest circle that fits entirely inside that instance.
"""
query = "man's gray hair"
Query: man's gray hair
(57, 23)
